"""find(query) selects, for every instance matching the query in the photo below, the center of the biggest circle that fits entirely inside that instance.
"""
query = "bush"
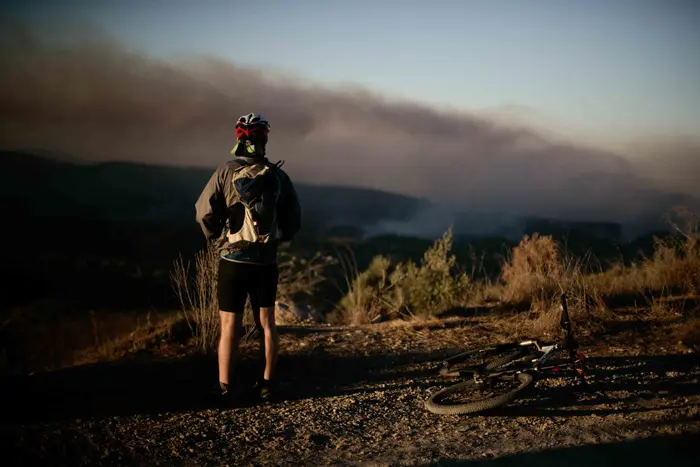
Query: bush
(384, 291)
(435, 285)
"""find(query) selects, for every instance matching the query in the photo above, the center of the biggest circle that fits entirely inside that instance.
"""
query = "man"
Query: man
(248, 207)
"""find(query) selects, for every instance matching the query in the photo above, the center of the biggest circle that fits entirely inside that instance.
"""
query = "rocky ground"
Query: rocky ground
(354, 396)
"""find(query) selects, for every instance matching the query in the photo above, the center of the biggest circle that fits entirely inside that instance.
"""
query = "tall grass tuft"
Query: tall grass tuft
(198, 296)
(197, 292)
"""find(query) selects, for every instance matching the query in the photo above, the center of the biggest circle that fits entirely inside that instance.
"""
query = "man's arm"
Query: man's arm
(211, 207)
(288, 209)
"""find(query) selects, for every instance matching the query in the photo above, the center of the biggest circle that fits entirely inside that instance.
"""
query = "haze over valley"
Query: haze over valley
(96, 101)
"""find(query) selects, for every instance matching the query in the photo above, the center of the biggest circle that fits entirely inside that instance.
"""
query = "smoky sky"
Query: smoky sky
(99, 101)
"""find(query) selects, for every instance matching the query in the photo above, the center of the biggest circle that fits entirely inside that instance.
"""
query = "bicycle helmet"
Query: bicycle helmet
(252, 127)
(251, 132)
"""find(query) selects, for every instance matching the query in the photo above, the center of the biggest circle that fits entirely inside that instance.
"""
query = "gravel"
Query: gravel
(354, 396)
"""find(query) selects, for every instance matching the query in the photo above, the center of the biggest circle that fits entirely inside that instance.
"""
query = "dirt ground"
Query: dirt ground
(354, 396)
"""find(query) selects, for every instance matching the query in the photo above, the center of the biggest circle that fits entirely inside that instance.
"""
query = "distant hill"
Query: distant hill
(42, 186)
(81, 231)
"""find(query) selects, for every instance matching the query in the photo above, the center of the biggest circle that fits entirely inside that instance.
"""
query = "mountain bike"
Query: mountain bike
(499, 373)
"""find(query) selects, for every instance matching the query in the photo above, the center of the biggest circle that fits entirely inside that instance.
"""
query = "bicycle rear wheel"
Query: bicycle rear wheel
(487, 358)
(472, 397)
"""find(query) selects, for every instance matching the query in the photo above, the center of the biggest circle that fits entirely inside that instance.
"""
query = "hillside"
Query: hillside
(79, 230)
(120, 225)
(119, 191)
(42, 184)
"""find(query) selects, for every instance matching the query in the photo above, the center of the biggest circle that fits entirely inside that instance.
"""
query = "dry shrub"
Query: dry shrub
(386, 291)
(369, 296)
(484, 293)
(198, 293)
(537, 273)
(669, 270)
(534, 270)
(536, 276)
(299, 278)
(689, 334)
(673, 268)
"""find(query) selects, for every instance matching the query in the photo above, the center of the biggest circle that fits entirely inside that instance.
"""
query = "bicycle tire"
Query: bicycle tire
(434, 405)
(496, 361)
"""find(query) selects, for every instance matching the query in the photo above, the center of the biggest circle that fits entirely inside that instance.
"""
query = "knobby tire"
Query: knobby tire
(434, 405)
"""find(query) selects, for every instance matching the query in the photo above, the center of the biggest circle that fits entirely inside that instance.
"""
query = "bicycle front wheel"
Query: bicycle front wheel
(472, 397)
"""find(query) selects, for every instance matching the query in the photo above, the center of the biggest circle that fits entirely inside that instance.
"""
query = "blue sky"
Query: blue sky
(600, 66)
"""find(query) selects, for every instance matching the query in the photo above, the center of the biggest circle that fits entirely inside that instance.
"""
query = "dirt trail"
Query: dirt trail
(354, 396)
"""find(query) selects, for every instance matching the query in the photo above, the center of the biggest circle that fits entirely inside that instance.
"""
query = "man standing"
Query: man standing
(248, 207)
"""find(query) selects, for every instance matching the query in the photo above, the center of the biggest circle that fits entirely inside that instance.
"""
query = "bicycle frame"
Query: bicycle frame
(544, 353)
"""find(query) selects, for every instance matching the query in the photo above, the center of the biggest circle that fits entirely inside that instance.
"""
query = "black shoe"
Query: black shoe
(230, 395)
(265, 390)
(220, 395)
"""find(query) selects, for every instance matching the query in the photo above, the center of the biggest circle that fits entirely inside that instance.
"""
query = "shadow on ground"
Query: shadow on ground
(475, 311)
(679, 451)
(161, 385)
(153, 386)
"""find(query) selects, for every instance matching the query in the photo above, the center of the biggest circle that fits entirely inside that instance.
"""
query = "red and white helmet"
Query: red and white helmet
(252, 127)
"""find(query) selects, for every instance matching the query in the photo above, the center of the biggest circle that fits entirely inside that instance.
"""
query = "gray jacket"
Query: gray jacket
(219, 194)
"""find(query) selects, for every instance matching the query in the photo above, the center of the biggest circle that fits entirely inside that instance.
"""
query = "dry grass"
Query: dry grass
(538, 272)
(198, 296)
(533, 277)
(49, 335)
(198, 292)
(369, 297)
(145, 333)
(673, 268)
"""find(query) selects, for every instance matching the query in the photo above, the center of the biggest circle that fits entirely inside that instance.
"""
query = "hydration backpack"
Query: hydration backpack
(253, 217)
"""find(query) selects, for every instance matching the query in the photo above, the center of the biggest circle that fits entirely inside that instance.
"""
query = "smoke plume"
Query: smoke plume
(98, 101)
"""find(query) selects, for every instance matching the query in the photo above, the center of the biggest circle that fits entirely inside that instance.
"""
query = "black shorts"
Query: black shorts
(237, 281)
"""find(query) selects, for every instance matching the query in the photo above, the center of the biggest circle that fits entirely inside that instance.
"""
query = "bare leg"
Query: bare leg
(260, 336)
(272, 340)
(231, 329)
